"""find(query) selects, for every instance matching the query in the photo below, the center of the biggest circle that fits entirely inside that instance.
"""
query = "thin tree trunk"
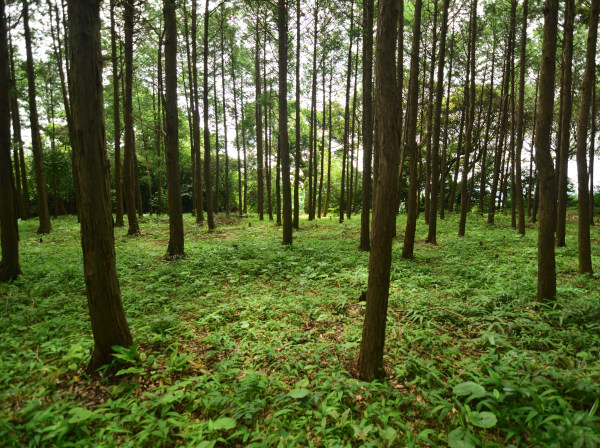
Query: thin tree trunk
(437, 118)
(237, 125)
(199, 206)
(445, 137)
(259, 126)
(227, 205)
(565, 124)
(370, 359)
(207, 174)
(117, 117)
(216, 197)
(36, 141)
(411, 132)
(129, 157)
(546, 289)
(367, 85)
(328, 190)
(592, 144)
(346, 116)
(244, 148)
(519, 175)
(530, 205)
(298, 155)
(583, 235)
(176, 244)
(486, 137)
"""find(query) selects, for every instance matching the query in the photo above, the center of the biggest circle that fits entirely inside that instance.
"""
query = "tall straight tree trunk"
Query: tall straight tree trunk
(259, 126)
(313, 119)
(470, 94)
(486, 137)
(370, 358)
(532, 178)
(284, 145)
(176, 245)
(437, 118)
(350, 177)
(346, 116)
(237, 136)
(520, 120)
(298, 155)
(400, 112)
(207, 174)
(227, 205)
(216, 197)
(36, 141)
(159, 127)
(428, 161)
(411, 134)
(9, 231)
(328, 189)
(546, 289)
(244, 147)
(504, 115)
(129, 157)
(592, 144)
(445, 137)
(367, 85)
(109, 324)
(19, 156)
(324, 125)
(117, 117)
(196, 118)
(565, 124)
(583, 240)
(459, 149)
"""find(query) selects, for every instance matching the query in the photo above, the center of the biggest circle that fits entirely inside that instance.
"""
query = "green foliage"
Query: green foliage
(248, 343)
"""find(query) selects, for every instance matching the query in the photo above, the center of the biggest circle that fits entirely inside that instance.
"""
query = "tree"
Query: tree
(9, 231)
(284, 144)
(207, 175)
(435, 150)
(109, 324)
(175, 249)
(129, 157)
(117, 117)
(411, 133)
(370, 358)
(546, 288)
(520, 120)
(367, 78)
(36, 141)
(583, 242)
(565, 124)
(298, 154)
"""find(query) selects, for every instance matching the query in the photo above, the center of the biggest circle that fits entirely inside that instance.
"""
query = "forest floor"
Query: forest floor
(249, 343)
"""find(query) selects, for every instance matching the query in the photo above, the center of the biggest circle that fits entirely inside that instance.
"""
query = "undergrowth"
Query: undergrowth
(248, 343)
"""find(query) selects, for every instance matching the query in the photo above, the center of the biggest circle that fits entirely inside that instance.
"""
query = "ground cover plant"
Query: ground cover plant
(246, 342)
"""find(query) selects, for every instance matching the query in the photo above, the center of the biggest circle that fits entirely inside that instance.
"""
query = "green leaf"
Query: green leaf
(80, 415)
(459, 438)
(224, 423)
(469, 388)
(483, 419)
(299, 393)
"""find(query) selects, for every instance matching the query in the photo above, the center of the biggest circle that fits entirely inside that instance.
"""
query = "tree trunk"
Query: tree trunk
(9, 231)
(546, 289)
(437, 117)
(565, 124)
(109, 324)
(411, 132)
(370, 359)
(592, 144)
(346, 116)
(367, 84)
(216, 198)
(284, 145)
(129, 157)
(36, 141)
(117, 117)
(237, 135)
(207, 174)
(259, 126)
(445, 137)
(176, 245)
(298, 155)
(227, 205)
(486, 137)
(584, 243)
(196, 119)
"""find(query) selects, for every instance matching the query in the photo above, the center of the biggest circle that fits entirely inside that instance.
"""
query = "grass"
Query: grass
(248, 343)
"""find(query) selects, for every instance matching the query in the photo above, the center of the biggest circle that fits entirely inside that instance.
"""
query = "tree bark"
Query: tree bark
(565, 124)
(259, 125)
(592, 147)
(36, 141)
(207, 174)
(298, 155)
(437, 117)
(9, 231)
(546, 289)
(367, 84)
(129, 156)
(411, 133)
(176, 245)
(117, 118)
(109, 324)
(196, 118)
(370, 359)
(583, 235)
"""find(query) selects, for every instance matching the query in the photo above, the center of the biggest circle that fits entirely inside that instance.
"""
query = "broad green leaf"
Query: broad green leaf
(299, 393)
(483, 419)
(80, 415)
(459, 438)
(469, 388)
(224, 423)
